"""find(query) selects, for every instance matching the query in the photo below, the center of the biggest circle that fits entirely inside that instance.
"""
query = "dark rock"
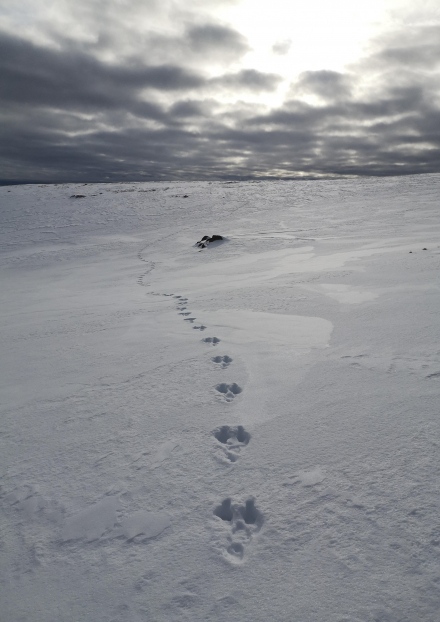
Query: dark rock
(203, 243)
(78, 196)
(425, 249)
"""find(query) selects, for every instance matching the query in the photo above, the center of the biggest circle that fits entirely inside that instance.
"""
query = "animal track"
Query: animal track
(243, 523)
(232, 440)
(417, 364)
(223, 361)
(152, 265)
(213, 340)
(199, 327)
(229, 435)
(224, 511)
(181, 305)
(189, 319)
(229, 391)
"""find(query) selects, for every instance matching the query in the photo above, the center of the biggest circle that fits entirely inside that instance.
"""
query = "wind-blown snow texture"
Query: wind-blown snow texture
(248, 432)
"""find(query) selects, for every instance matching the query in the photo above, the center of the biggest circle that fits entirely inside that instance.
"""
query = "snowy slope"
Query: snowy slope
(248, 432)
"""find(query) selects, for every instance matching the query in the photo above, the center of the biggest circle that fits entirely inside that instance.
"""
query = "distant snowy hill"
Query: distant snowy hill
(248, 431)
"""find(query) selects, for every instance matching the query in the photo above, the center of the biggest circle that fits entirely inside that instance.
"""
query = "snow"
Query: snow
(92, 522)
(164, 452)
(147, 524)
(249, 431)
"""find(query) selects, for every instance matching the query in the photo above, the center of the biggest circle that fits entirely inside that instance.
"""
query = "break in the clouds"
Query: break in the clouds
(172, 91)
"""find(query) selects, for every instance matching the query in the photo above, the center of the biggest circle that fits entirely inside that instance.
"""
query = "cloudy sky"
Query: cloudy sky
(109, 90)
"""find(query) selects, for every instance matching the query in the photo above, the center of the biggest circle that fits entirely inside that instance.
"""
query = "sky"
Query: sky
(152, 90)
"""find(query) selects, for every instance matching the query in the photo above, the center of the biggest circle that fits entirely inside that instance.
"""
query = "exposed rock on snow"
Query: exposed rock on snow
(203, 243)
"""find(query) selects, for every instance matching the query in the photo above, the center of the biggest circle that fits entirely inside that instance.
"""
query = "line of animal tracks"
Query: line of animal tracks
(238, 521)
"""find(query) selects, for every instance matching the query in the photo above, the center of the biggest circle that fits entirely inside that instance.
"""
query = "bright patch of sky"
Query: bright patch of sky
(291, 37)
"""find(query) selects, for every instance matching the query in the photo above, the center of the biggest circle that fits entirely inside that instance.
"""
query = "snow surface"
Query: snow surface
(248, 432)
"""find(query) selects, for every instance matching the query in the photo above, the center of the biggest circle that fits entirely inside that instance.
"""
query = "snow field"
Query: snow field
(247, 432)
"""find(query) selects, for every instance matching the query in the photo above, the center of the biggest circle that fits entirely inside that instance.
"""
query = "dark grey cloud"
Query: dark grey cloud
(66, 114)
(248, 79)
(213, 37)
(324, 84)
(419, 48)
(31, 74)
(197, 46)
(187, 108)
(35, 75)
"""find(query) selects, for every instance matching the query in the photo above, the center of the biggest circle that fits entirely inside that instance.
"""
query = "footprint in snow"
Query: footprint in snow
(223, 361)
(189, 319)
(199, 327)
(228, 391)
(212, 340)
(231, 440)
(239, 525)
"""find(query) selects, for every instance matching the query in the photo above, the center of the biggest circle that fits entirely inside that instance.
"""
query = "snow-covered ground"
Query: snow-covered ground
(248, 432)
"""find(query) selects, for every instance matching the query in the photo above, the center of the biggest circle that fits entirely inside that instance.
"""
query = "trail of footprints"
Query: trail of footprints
(181, 306)
(226, 392)
(151, 266)
(238, 523)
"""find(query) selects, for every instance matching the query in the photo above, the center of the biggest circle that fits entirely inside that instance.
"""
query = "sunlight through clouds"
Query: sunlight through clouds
(321, 34)
(285, 88)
